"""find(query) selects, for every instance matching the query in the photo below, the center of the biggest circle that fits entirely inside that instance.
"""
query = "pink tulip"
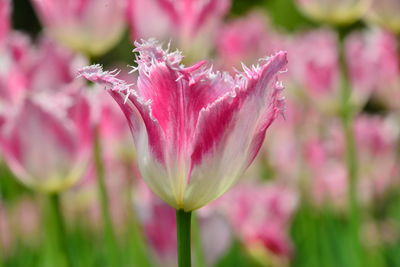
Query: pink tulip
(192, 23)
(376, 140)
(16, 60)
(196, 131)
(31, 69)
(372, 61)
(46, 146)
(245, 40)
(329, 180)
(266, 223)
(316, 72)
(90, 26)
(378, 168)
(45, 133)
(5, 13)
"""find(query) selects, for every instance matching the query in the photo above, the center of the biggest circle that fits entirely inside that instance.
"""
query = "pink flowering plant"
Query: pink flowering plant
(188, 151)
(186, 122)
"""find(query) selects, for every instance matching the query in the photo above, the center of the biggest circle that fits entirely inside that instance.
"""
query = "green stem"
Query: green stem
(111, 241)
(183, 221)
(56, 231)
(347, 116)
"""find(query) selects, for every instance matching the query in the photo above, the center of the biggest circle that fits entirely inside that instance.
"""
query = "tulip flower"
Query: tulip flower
(193, 23)
(45, 129)
(263, 228)
(386, 14)
(375, 143)
(196, 131)
(317, 74)
(47, 150)
(372, 60)
(334, 11)
(92, 27)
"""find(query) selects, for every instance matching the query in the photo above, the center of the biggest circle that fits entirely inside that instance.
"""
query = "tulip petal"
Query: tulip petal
(195, 130)
(147, 133)
(43, 165)
(230, 132)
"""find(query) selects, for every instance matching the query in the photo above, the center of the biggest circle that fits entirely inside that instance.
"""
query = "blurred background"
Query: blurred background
(324, 190)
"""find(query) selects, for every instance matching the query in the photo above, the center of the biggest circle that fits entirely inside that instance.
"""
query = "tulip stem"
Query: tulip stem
(57, 225)
(110, 239)
(183, 221)
(347, 116)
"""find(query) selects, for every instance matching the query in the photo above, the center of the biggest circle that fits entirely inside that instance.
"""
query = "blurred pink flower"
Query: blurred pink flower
(192, 24)
(45, 133)
(88, 26)
(162, 237)
(386, 14)
(372, 61)
(334, 11)
(32, 69)
(15, 64)
(317, 72)
(48, 149)
(196, 131)
(328, 173)
(216, 236)
(5, 13)
(376, 140)
(245, 40)
(265, 223)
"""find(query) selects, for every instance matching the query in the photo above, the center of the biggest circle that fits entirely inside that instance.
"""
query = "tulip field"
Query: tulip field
(204, 133)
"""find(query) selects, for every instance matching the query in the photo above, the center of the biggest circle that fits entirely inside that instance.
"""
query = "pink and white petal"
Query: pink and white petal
(177, 96)
(148, 135)
(41, 150)
(152, 157)
(230, 132)
(137, 111)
